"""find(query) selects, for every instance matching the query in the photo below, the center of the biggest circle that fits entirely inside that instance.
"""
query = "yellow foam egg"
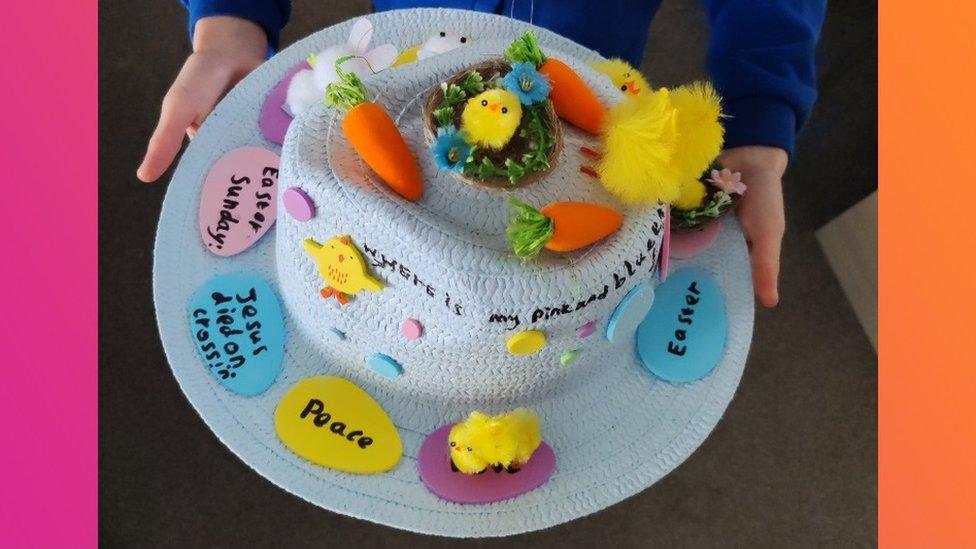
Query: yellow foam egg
(333, 423)
(526, 343)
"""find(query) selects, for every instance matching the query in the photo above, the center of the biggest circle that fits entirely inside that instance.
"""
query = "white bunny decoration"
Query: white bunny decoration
(441, 42)
(308, 86)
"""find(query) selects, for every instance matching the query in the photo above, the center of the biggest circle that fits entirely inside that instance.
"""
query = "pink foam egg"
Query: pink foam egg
(665, 245)
(239, 200)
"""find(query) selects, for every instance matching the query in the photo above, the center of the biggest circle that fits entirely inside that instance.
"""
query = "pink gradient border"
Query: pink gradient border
(48, 275)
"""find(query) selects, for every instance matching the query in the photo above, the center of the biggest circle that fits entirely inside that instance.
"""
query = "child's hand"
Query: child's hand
(761, 212)
(225, 50)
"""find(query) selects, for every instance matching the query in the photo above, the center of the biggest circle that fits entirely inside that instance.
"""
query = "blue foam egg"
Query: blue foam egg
(630, 311)
(237, 326)
(683, 336)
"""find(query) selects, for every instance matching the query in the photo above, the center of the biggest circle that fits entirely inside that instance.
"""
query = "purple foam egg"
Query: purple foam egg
(434, 464)
(274, 119)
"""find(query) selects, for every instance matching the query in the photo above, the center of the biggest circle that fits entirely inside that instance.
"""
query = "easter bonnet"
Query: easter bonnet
(415, 269)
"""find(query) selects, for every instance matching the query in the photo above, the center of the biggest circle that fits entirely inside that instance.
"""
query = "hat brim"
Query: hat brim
(615, 431)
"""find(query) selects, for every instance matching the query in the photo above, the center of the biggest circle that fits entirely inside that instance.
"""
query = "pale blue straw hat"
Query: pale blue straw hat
(615, 428)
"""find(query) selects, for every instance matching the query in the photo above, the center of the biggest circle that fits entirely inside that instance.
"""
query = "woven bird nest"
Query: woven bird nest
(520, 144)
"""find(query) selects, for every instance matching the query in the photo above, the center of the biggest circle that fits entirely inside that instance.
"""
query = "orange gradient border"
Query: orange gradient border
(927, 230)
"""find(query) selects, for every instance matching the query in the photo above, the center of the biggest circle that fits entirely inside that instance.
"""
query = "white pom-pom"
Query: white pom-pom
(302, 92)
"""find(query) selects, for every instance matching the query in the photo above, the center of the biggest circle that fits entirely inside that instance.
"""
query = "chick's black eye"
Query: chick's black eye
(453, 444)
(504, 110)
(469, 449)
(484, 102)
(443, 34)
(623, 88)
(627, 75)
(464, 39)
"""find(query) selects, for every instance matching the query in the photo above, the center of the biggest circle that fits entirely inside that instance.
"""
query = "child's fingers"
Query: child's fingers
(764, 253)
(167, 138)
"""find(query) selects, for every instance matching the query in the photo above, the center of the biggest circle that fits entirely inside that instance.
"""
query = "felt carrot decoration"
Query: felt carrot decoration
(573, 100)
(560, 226)
(374, 135)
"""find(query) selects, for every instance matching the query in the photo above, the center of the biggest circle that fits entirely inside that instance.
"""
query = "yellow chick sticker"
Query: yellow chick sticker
(628, 79)
(342, 268)
(491, 118)
(505, 441)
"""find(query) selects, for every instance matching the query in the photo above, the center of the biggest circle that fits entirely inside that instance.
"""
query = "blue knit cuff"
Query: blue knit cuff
(265, 14)
(759, 121)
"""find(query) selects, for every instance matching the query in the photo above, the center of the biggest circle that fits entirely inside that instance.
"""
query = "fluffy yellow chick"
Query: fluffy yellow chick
(657, 141)
(639, 142)
(491, 118)
(342, 267)
(628, 79)
(700, 132)
(505, 441)
(691, 197)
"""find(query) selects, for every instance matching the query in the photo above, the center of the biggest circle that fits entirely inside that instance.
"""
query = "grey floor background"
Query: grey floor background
(792, 463)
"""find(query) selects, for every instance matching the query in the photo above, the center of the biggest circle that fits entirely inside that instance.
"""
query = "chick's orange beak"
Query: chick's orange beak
(632, 87)
(493, 107)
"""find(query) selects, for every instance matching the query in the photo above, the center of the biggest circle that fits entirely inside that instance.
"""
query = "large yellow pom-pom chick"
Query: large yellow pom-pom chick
(625, 77)
(657, 144)
(506, 441)
(491, 118)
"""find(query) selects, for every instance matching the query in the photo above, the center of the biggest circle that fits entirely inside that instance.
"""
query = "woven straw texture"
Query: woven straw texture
(615, 429)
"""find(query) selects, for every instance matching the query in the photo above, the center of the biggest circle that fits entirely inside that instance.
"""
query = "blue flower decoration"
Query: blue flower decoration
(450, 150)
(526, 82)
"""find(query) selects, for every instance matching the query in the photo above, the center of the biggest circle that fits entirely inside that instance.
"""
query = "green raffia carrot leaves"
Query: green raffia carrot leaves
(560, 226)
(348, 92)
(529, 231)
(525, 49)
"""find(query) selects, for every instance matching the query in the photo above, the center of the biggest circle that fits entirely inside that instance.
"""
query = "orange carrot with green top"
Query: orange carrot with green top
(374, 135)
(573, 100)
(560, 226)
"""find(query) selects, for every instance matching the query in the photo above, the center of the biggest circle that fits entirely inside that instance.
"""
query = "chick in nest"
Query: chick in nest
(491, 118)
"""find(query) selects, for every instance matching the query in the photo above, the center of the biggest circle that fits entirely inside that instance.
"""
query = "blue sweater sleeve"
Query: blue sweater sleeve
(761, 59)
(272, 15)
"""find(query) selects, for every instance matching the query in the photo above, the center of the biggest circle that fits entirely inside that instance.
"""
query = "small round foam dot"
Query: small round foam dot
(569, 357)
(299, 204)
(412, 328)
(586, 330)
(337, 333)
(526, 343)
(384, 365)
